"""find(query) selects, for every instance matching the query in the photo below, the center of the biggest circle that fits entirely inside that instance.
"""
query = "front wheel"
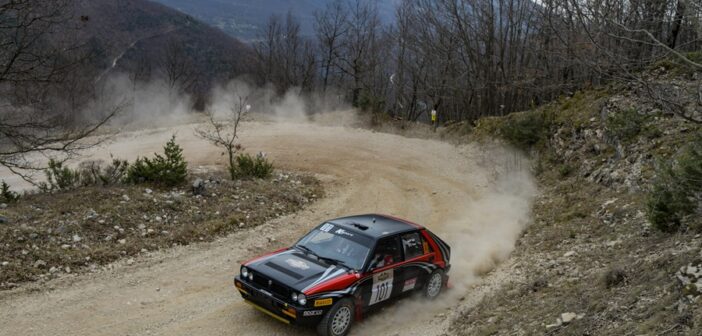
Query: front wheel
(434, 284)
(338, 320)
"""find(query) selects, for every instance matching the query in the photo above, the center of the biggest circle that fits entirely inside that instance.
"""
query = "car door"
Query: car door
(385, 278)
(416, 256)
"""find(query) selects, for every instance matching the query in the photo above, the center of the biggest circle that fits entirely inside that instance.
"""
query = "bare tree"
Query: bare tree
(330, 26)
(222, 130)
(177, 67)
(40, 84)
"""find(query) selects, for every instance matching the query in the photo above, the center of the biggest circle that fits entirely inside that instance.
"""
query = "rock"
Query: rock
(122, 241)
(4, 220)
(198, 187)
(142, 226)
(3, 205)
(690, 277)
(568, 317)
(5, 263)
(76, 238)
(126, 198)
(40, 264)
(148, 191)
(53, 270)
(555, 325)
(130, 261)
(144, 250)
(65, 246)
(68, 269)
(91, 214)
(158, 218)
(569, 254)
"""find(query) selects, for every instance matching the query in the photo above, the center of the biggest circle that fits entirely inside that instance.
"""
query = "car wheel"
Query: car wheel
(338, 320)
(434, 285)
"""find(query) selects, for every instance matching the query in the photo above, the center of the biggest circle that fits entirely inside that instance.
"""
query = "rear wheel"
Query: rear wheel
(434, 284)
(338, 320)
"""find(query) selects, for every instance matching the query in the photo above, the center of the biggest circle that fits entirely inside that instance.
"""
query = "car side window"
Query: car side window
(412, 245)
(387, 252)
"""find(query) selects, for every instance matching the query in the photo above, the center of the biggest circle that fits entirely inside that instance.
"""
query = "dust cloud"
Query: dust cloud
(481, 236)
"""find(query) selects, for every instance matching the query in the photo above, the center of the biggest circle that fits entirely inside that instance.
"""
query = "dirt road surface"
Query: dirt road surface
(189, 290)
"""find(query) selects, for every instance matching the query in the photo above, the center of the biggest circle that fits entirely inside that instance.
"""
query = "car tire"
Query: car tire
(434, 285)
(338, 320)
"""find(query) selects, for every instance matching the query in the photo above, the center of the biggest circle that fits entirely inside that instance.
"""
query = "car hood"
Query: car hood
(295, 269)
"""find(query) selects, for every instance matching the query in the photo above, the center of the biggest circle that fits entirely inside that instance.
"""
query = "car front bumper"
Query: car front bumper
(276, 308)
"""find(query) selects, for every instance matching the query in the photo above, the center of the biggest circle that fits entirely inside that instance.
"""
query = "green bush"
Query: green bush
(525, 130)
(7, 195)
(676, 194)
(626, 125)
(249, 166)
(59, 177)
(169, 169)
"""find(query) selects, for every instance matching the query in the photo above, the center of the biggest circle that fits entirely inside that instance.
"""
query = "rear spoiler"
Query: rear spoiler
(444, 248)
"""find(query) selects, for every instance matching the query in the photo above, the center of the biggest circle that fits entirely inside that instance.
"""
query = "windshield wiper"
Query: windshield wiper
(327, 259)
(305, 249)
(334, 261)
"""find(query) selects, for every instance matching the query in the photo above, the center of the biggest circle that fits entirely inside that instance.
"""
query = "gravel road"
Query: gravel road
(189, 290)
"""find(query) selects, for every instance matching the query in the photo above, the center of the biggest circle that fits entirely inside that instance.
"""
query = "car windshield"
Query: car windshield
(337, 246)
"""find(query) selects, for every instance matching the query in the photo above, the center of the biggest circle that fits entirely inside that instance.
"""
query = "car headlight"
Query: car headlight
(244, 272)
(294, 297)
(302, 299)
(250, 276)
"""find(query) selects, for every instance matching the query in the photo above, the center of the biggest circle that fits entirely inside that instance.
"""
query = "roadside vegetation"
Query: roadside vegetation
(82, 219)
(614, 245)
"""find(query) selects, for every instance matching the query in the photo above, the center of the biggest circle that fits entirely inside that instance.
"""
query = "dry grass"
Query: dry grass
(79, 230)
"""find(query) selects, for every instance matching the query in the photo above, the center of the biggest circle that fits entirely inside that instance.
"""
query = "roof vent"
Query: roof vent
(360, 226)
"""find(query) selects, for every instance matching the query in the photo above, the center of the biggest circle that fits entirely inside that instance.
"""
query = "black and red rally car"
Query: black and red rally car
(344, 268)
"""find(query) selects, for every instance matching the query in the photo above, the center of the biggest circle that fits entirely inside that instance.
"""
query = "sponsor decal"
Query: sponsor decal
(326, 227)
(323, 302)
(312, 313)
(343, 232)
(296, 263)
(409, 284)
(382, 287)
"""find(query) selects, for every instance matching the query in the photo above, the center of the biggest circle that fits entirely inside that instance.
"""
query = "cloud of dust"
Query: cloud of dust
(142, 104)
(481, 236)
(154, 103)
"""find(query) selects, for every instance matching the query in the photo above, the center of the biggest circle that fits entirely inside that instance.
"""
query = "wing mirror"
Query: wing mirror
(374, 263)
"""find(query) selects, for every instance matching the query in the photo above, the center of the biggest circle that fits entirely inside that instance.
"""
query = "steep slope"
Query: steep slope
(595, 262)
(126, 34)
(246, 19)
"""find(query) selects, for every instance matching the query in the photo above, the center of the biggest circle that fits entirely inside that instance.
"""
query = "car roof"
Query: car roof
(378, 226)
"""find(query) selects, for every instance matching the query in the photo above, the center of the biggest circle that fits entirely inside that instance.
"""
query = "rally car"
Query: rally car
(344, 268)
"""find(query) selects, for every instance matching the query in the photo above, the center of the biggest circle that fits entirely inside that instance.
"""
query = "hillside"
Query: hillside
(246, 19)
(596, 260)
(127, 34)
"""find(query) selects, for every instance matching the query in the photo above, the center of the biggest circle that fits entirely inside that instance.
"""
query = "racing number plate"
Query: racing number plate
(382, 286)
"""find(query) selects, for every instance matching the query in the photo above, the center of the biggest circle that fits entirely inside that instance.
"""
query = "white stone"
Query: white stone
(568, 317)
(126, 198)
(122, 241)
(76, 238)
(569, 254)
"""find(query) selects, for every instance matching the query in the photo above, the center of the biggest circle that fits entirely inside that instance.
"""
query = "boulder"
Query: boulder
(198, 187)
